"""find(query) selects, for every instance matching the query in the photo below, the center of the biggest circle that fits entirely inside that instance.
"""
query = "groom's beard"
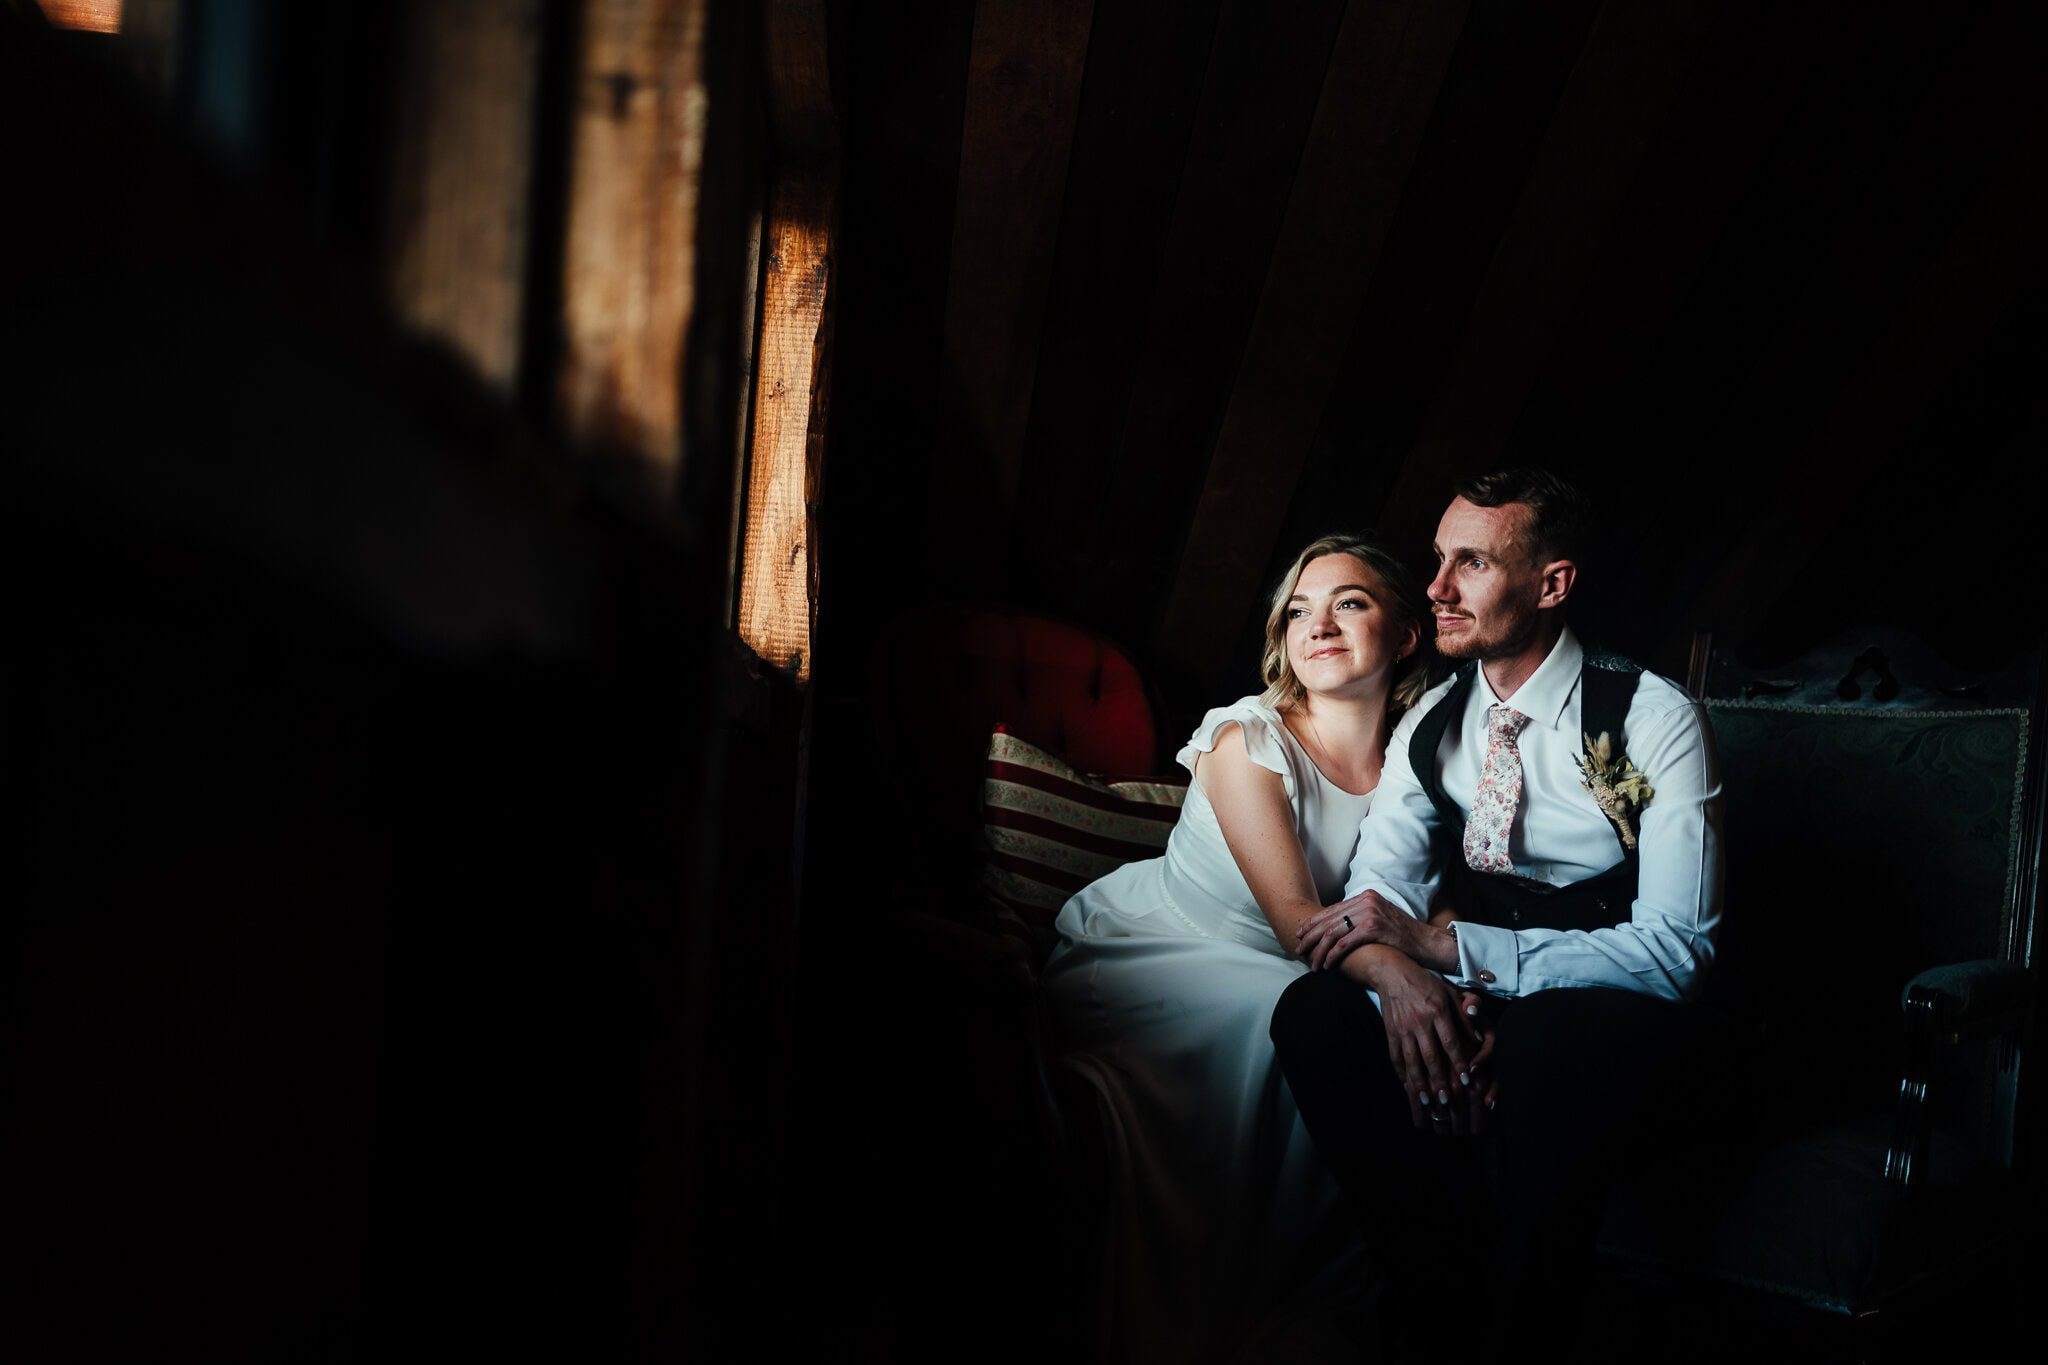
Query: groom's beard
(1507, 632)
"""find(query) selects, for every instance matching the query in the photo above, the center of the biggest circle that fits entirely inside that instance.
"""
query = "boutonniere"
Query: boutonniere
(1617, 785)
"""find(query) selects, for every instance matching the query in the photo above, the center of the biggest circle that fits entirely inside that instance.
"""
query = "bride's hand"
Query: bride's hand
(1327, 936)
(1485, 1088)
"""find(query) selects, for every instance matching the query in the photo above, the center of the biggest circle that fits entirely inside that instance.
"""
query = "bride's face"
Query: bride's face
(1341, 639)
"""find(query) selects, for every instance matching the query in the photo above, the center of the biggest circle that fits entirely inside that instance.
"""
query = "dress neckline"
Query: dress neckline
(1315, 768)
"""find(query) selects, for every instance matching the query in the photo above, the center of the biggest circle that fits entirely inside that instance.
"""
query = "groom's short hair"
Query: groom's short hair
(1559, 514)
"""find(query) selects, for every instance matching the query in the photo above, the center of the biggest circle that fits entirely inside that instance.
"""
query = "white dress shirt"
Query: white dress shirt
(1560, 836)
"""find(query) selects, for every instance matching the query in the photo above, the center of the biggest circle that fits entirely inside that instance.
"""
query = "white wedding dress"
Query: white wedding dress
(1226, 1232)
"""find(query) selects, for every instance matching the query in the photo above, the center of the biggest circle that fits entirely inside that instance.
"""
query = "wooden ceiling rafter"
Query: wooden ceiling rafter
(1382, 81)
(1621, 92)
(1505, 78)
(1260, 88)
(1146, 59)
(1023, 98)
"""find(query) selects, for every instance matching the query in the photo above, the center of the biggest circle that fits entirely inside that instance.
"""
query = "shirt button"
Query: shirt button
(1599, 902)
(1486, 976)
(1514, 917)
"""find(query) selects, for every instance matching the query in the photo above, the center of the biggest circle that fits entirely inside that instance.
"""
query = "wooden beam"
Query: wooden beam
(1512, 63)
(1023, 94)
(1620, 94)
(1146, 60)
(461, 181)
(778, 581)
(1263, 80)
(1384, 73)
(86, 16)
(629, 260)
(149, 42)
(801, 113)
(776, 585)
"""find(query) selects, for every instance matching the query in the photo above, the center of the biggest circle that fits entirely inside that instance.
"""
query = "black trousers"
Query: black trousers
(1592, 1082)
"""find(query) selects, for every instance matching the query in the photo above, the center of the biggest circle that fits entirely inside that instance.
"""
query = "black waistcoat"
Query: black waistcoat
(1607, 683)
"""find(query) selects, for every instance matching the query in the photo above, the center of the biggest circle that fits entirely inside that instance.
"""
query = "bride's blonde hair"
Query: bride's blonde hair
(1399, 599)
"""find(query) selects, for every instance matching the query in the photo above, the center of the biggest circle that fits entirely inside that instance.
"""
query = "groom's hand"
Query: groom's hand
(1327, 936)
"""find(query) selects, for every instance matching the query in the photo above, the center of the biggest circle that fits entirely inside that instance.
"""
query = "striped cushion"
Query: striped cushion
(1048, 831)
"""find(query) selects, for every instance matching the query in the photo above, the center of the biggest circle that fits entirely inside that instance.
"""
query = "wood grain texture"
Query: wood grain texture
(1384, 73)
(1510, 67)
(461, 181)
(85, 16)
(1146, 64)
(629, 259)
(776, 589)
(1023, 93)
(800, 104)
(1264, 78)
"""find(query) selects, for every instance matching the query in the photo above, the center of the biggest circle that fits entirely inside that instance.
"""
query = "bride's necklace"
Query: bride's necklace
(1321, 752)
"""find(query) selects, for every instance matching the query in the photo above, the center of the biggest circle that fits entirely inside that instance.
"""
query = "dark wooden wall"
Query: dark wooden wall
(1140, 296)
(1127, 299)
(379, 764)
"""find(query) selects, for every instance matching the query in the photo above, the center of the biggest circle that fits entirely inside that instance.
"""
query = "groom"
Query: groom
(1563, 805)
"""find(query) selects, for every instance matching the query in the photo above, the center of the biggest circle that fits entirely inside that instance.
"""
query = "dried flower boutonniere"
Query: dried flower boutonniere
(1617, 785)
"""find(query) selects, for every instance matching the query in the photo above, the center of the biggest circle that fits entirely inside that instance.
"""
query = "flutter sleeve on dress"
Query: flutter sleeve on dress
(1262, 739)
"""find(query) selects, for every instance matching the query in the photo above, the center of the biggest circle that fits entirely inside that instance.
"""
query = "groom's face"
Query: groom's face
(1487, 583)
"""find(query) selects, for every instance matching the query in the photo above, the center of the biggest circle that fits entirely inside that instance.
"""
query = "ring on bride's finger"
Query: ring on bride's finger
(1348, 925)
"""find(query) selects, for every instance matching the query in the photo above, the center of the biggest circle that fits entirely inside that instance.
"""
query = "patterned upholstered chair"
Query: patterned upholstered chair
(1883, 826)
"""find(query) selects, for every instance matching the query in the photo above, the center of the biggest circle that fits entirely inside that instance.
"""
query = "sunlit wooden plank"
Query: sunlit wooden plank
(629, 258)
(775, 593)
(90, 16)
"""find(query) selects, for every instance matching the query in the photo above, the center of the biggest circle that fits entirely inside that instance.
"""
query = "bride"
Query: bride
(1226, 1227)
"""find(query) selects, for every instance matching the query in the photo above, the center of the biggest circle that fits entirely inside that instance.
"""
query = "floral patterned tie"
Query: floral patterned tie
(1500, 793)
